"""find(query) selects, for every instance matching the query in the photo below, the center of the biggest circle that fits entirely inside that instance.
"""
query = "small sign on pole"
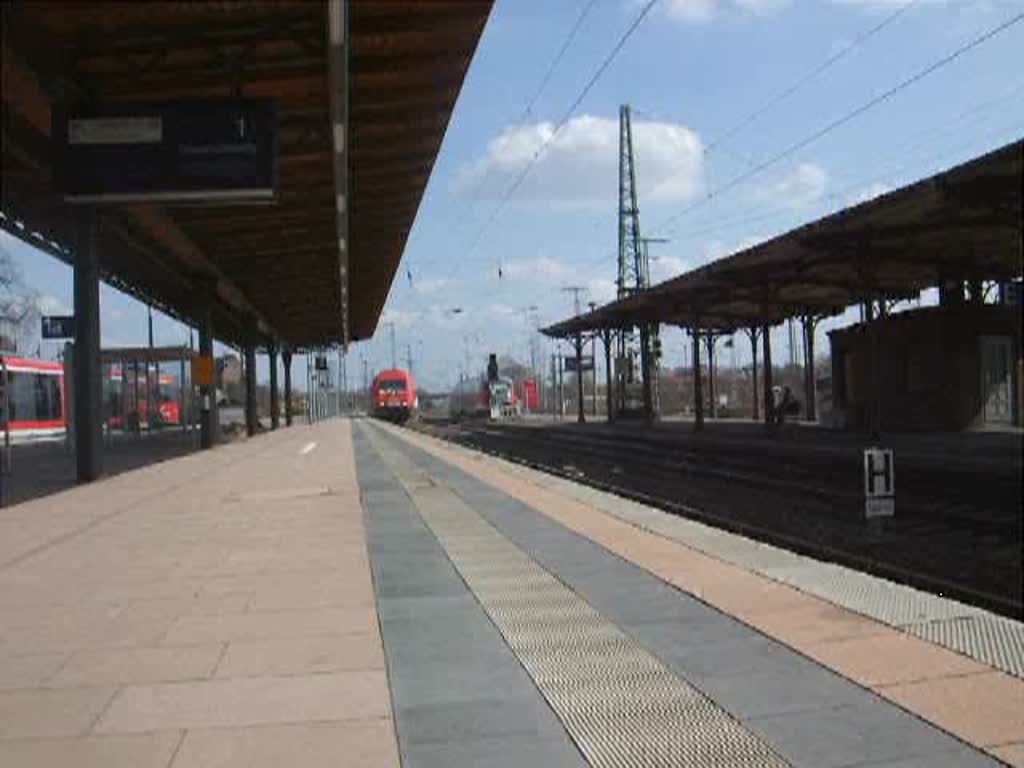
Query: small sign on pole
(586, 363)
(879, 483)
(202, 370)
(58, 327)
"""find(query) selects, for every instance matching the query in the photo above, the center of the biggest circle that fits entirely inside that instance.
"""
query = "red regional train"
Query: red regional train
(120, 399)
(34, 394)
(393, 395)
(480, 398)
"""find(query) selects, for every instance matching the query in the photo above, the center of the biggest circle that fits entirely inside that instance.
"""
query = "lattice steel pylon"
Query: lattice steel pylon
(634, 274)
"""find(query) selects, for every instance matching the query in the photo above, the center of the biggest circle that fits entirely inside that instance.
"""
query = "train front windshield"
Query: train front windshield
(391, 386)
(33, 397)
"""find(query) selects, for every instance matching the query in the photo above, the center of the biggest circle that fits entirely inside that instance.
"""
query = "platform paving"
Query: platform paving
(352, 594)
(792, 657)
(215, 610)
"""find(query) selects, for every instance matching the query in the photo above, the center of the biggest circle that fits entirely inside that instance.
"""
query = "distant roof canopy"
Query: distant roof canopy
(146, 354)
(962, 224)
(276, 271)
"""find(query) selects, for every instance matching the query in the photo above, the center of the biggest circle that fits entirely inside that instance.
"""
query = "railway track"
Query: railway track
(956, 533)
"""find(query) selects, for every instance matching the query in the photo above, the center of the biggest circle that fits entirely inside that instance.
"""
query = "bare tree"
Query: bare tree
(19, 306)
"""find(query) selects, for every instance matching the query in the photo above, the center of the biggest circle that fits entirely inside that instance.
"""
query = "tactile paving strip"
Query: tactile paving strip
(619, 703)
(999, 641)
(973, 632)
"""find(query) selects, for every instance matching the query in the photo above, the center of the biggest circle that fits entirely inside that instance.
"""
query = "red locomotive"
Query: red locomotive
(393, 395)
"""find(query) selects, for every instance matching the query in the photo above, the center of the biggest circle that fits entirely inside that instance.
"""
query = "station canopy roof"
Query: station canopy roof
(962, 224)
(275, 269)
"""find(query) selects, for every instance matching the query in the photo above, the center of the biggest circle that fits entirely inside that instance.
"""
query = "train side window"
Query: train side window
(22, 398)
(47, 397)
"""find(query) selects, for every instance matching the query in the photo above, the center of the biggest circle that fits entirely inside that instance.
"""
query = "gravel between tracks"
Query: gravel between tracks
(960, 536)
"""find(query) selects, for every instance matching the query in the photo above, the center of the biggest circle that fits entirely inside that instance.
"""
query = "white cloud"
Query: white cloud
(665, 267)
(800, 187)
(400, 317)
(690, 10)
(601, 290)
(500, 311)
(869, 192)
(716, 249)
(51, 305)
(429, 285)
(762, 7)
(580, 166)
(699, 11)
(542, 268)
(749, 242)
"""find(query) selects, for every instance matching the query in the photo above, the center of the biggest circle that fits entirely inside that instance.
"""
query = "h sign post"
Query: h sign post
(879, 483)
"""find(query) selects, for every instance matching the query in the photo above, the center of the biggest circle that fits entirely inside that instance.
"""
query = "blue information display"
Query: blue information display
(172, 152)
(58, 327)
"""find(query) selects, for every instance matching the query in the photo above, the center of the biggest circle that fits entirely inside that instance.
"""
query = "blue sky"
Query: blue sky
(692, 71)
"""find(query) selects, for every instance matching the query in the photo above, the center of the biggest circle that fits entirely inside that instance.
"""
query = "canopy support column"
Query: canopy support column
(769, 401)
(250, 389)
(648, 372)
(609, 395)
(580, 416)
(752, 332)
(286, 361)
(87, 378)
(712, 407)
(275, 418)
(698, 386)
(208, 418)
(810, 409)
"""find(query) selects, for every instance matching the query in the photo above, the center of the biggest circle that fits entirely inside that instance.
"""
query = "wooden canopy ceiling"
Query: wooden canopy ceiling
(274, 269)
(962, 224)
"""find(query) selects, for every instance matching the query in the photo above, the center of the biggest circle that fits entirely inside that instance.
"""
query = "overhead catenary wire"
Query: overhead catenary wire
(893, 151)
(827, 64)
(559, 56)
(541, 87)
(846, 118)
(790, 90)
(521, 177)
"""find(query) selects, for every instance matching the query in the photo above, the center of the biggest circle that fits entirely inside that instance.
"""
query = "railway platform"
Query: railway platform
(355, 594)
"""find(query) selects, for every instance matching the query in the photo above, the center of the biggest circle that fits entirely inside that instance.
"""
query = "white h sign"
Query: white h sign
(879, 483)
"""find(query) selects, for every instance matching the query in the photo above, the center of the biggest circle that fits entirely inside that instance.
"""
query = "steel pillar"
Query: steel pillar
(609, 395)
(755, 407)
(209, 421)
(87, 375)
(769, 402)
(580, 416)
(698, 386)
(811, 407)
(250, 390)
(275, 418)
(712, 405)
(286, 361)
(647, 371)
(182, 404)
